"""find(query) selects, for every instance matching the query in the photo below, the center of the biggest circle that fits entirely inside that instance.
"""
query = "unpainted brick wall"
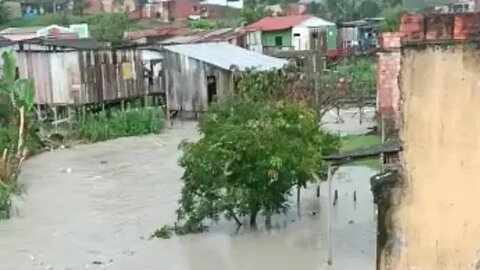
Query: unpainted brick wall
(388, 70)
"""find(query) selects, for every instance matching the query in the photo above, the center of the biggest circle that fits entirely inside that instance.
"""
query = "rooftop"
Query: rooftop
(226, 56)
(159, 32)
(204, 36)
(277, 23)
(78, 44)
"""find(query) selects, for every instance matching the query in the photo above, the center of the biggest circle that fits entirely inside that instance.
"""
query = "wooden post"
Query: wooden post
(382, 155)
(316, 94)
(55, 119)
(329, 217)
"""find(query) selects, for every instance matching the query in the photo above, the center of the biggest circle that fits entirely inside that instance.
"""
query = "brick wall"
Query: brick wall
(388, 70)
(417, 27)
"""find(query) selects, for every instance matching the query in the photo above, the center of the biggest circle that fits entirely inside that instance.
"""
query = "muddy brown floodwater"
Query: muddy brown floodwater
(94, 207)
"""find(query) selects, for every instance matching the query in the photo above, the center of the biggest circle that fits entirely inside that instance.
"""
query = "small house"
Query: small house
(51, 32)
(358, 35)
(196, 73)
(295, 32)
(78, 72)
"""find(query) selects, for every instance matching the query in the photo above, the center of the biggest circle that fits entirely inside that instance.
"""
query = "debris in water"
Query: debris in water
(351, 222)
(103, 162)
(67, 170)
(97, 262)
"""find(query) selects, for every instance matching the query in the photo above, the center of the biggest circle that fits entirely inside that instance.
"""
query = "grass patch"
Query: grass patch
(131, 122)
(352, 142)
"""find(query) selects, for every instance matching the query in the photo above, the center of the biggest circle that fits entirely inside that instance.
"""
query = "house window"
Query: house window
(195, 8)
(278, 41)
(296, 35)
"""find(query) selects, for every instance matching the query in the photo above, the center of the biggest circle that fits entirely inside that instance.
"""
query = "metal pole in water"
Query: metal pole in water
(329, 216)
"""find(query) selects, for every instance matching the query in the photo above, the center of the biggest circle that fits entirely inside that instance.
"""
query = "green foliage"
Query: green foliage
(253, 13)
(16, 101)
(43, 20)
(109, 27)
(5, 200)
(164, 232)
(352, 142)
(361, 76)
(4, 13)
(131, 122)
(250, 156)
(265, 85)
(202, 24)
(391, 23)
(79, 7)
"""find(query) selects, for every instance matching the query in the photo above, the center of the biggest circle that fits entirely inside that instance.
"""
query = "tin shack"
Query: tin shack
(196, 73)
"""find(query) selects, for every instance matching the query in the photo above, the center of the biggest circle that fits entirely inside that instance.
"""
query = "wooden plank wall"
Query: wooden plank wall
(87, 77)
(186, 82)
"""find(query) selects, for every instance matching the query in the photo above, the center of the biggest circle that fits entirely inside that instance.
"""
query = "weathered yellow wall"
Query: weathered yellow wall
(436, 223)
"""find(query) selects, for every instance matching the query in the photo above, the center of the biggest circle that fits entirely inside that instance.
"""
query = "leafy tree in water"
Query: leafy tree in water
(248, 160)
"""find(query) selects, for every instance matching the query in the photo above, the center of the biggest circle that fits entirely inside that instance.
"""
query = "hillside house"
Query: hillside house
(358, 36)
(75, 31)
(460, 6)
(226, 3)
(298, 33)
(196, 73)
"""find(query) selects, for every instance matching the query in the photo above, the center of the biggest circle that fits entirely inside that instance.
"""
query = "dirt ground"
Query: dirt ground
(94, 207)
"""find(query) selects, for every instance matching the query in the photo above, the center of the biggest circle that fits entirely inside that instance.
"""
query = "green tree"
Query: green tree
(109, 27)
(79, 7)
(16, 98)
(249, 158)
(391, 23)
(4, 13)
(253, 13)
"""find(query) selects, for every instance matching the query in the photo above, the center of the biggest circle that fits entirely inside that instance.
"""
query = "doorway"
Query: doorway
(211, 88)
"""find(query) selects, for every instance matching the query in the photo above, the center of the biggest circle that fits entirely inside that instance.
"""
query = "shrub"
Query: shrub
(132, 122)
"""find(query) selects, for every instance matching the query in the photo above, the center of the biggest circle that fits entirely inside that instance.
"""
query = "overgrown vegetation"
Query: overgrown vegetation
(256, 147)
(202, 24)
(352, 142)
(133, 121)
(16, 99)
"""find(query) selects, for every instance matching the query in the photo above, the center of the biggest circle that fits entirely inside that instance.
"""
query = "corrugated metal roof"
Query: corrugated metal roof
(225, 55)
(316, 22)
(203, 36)
(277, 23)
(22, 30)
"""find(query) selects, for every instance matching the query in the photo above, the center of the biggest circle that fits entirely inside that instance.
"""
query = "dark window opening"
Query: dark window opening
(278, 41)
(296, 34)
(195, 8)
(211, 88)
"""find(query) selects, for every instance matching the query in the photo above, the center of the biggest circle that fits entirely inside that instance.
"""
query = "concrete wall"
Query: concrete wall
(268, 38)
(435, 224)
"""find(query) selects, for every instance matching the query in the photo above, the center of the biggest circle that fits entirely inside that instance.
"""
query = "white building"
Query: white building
(301, 33)
(226, 3)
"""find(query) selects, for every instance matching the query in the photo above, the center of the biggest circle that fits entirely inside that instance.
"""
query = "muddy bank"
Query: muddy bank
(94, 206)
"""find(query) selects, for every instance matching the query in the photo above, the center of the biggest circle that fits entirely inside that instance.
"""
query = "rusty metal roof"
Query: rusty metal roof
(226, 56)
(204, 36)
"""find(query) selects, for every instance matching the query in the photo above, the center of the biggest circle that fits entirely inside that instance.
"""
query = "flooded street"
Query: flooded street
(94, 207)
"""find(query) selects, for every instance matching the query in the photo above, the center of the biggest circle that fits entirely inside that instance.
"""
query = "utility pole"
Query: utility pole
(329, 217)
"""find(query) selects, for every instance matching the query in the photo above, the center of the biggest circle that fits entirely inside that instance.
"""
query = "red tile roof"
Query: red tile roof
(277, 23)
